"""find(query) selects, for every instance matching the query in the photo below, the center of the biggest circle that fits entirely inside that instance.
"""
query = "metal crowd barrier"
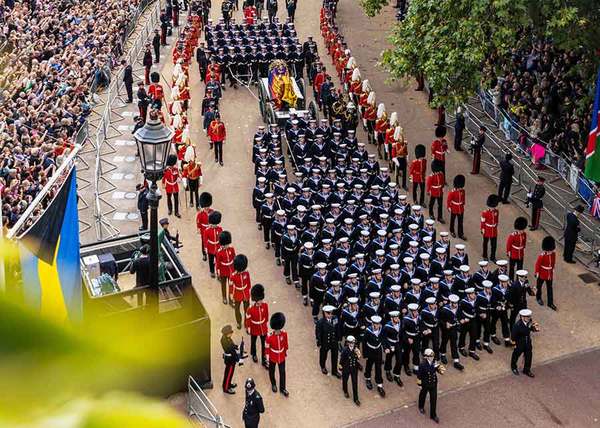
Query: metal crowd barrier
(201, 408)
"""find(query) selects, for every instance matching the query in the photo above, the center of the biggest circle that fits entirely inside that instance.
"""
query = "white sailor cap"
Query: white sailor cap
(316, 207)
(328, 308)
(415, 281)
(380, 253)
(482, 263)
(368, 201)
(376, 319)
(343, 240)
(350, 339)
(430, 222)
(348, 221)
(525, 312)
(393, 246)
(326, 241)
(262, 180)
(402, 197)
(521, 272)
(336, 283)
(374, 294)
(352, 275)
(413, 226)
(444, 234)
(503, 278)
(291, 227)
(440, 250)
(448, 272)
(470, 290)
(416, 207)
(395, 287)
(291, 190)
(371, 156)
(434, 280)
(459, 246)
(394, 266)
(501, 262)
(321, 265)
(359, 256)
(413, 307)
(353, 300)
(487, 284)
(301, 208)
(342, 261)
(392, 184)
(280, 212)
(430, 300)
(381, 232)
(407, 260)
(268, 195)
(424, 256)
(308, 245)
(427, 239)
(453, 298)
(413, 244)
(398, 211)
(365, 233)
(428, 352)
(394, 313)
(376, 271)
(313, 223)
(384, 215)
(329, 220)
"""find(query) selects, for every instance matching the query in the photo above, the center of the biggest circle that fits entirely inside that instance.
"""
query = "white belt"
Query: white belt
(277, 351)
(257, 322)
(213, 242)
(240, 288)
(436, 187)
(517, 248)
(456, 203)
(227, 264)
(491, 225)
(546, 267)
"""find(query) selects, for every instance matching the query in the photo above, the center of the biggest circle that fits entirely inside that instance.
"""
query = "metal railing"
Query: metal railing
(201, 408)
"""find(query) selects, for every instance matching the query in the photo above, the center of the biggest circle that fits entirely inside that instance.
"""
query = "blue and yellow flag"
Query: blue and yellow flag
(49, 258)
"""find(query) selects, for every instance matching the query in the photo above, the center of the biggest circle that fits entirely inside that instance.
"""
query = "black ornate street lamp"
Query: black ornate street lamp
(154, 145)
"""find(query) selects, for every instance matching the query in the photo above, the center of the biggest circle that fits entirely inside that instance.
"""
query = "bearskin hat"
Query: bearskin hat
(225, 238)
(277, 321)
(492, 201)
(436, 166)
(240, 263)
(440, 131)
(258, 292)
(420, 151)
(154, 77)
(459, 181)
(548, 244)
(205, 200)
(171, 160)
(520, 223)
(214, 218)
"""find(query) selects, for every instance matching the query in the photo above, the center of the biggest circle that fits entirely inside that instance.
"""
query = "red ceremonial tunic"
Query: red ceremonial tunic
(202, 220)
(381, 126)
(370, 113)
(224, 261)
(515, 245)
(544, 265)
(435, 185)
(257, 319)
(277, 346)
(489, 223)
(170, 179)
(210, 236)
(439, 149)
(155, 90)
(417, 170)
(239, 286)
(456, 201)
(216, 131)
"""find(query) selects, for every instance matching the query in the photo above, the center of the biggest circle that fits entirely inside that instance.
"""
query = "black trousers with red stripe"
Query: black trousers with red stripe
(228, 375)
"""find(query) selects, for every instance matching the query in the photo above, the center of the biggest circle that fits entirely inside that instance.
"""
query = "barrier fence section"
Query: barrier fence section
(558, 200)
(201, 408)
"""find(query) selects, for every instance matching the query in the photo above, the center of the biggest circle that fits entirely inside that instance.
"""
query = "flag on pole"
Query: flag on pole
(592, 152)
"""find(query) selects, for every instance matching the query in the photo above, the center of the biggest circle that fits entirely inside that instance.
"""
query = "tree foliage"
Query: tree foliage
(448, 41)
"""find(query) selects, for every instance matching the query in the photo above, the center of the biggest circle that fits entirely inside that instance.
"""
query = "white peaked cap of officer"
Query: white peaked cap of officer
(407, 260)
(470, 290)
(321, 265)
(413, 307)
(483, 263)
(459, 246)
(328, 308)
(453, 298)
(374, 294)
(501, 262)
(521, 272)
(487, 284)
(394, 313)
(503, 278)
(464, 268)
(353, 300)
(428, 352)
(376, 319)
(350, 339)
(395, 287)
(525, 312)
(308, 245)
(430, 300)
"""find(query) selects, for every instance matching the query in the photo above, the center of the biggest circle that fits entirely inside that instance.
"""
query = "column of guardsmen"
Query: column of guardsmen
(250, 309)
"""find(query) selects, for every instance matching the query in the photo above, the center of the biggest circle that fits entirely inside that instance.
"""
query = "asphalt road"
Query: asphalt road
(564, 393)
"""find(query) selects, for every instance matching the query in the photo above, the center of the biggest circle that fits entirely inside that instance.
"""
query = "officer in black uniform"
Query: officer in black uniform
(349, 362)
(521, 335)
(536, 200)
(254, 405)
(327, 332)
(373, 354)
(230, 357)
(427, 376)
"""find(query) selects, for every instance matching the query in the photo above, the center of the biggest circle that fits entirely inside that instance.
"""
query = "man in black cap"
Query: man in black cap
(571, 232)
(477, 147)
(140, 265)
(156, 45)
(142, 204)
(350, 361)
(327, 331)
(230, 357)
(128, 80)
(507, 170)
(521, 336)
(536, 200)
(254, 405)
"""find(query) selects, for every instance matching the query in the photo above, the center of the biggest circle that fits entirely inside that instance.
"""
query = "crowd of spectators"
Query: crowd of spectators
(55, 50)
(542, 88)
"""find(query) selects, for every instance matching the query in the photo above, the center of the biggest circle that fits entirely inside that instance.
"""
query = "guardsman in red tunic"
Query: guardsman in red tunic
(515, 246)
(320, 78)
(239, 286)
(217, 134)
(210, 237)
(193, 173)
(544, 271)
(489, 227)
(435, 189)
(277, 347)
(205, 203)
(456, 205)
(417, 170)
(224, 262)
(369, 116)
(439, 147)
(213, 71)
(170, 180)
(381, 125)
(257, 317)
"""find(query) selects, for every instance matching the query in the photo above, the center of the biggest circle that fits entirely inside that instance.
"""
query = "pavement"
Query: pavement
(315, 399)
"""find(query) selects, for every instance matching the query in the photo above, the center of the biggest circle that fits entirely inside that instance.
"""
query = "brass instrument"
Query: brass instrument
(357, 352)
(441, 369)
